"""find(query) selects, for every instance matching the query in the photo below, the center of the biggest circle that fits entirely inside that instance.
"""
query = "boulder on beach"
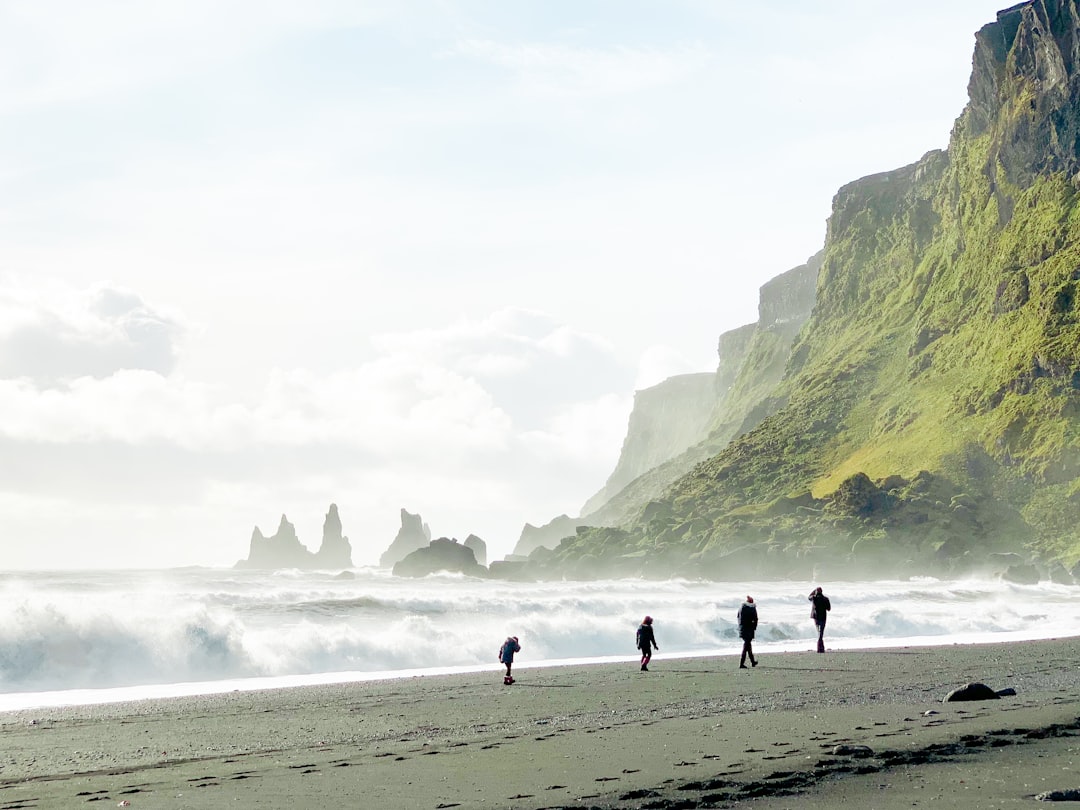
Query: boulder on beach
(971, 691)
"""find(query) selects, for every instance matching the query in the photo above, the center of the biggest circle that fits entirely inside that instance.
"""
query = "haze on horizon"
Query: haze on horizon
(262, 257)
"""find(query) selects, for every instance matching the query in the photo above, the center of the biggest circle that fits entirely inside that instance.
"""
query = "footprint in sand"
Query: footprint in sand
(606, 779)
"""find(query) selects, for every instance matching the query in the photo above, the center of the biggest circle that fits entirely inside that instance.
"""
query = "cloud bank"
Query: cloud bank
(486, 423)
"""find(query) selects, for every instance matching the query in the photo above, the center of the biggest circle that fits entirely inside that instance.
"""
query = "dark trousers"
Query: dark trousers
(747, 650)
(820, 637)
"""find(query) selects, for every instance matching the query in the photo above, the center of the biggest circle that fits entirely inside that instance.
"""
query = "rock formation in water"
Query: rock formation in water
(478, 547)
(441, 555)
(927, 413)
(281, 550)
(414, 534)
(284, 549)
(335, 551)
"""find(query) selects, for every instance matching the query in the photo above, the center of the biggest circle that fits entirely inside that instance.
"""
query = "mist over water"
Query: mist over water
(64, 631)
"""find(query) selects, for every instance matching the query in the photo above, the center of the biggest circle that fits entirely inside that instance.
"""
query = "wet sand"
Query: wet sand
(691, 733)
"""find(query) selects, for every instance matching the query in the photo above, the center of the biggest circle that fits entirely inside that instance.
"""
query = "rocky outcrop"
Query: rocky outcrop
(1023, 90)
(335, 551)
(281, 550)
(413, 535)
(441, 555)
(284, 549)
(478, 548)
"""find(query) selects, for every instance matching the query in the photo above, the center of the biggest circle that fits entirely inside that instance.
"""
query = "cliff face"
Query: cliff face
(928, 413)
(784, 305)
(752, 360)
(666, 420)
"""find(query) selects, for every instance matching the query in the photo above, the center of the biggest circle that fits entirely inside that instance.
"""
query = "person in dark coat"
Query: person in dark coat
(506, 656)
(819, 612)
(646, 641)
(747, 617)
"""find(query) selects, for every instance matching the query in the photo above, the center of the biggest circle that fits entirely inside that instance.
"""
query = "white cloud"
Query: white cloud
(56, 334)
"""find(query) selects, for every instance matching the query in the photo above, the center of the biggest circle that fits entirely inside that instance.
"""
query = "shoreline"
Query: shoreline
(692, 732)
(100, 696)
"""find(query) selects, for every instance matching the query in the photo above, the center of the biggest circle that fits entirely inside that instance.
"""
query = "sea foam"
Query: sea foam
(109, 635)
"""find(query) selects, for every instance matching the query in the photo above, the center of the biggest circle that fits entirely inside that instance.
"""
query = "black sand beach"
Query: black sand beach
(846, 729)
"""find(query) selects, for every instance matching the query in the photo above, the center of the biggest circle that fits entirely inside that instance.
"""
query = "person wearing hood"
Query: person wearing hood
(646, 641)
(506, 656)
(747, 617)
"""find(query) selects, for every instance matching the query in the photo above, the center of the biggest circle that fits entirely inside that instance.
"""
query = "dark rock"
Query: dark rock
(970, 691)
(1025, 574)
(412, 536)
(1006, 692)
(1069, 795)
(857, 495)
(443, 554)
(1060, 576)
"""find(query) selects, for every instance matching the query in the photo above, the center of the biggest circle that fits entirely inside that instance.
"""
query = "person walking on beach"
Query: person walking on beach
(646, 641)
(506, 656)
(747, 616)
(819, 612)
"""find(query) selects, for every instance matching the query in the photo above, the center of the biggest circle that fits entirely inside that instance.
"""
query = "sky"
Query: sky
(260, 257)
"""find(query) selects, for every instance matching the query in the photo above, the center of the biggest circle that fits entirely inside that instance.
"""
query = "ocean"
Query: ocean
(77, 637)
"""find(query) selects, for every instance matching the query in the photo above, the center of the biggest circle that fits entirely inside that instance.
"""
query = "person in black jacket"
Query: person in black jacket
(819, 612)
(747, 617)
(646, 641)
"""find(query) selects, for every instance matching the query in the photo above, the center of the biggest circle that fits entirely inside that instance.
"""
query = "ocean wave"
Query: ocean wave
(109, 629)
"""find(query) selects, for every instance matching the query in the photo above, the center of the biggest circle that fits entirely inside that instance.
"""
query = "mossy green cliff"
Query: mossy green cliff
(927, 415)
